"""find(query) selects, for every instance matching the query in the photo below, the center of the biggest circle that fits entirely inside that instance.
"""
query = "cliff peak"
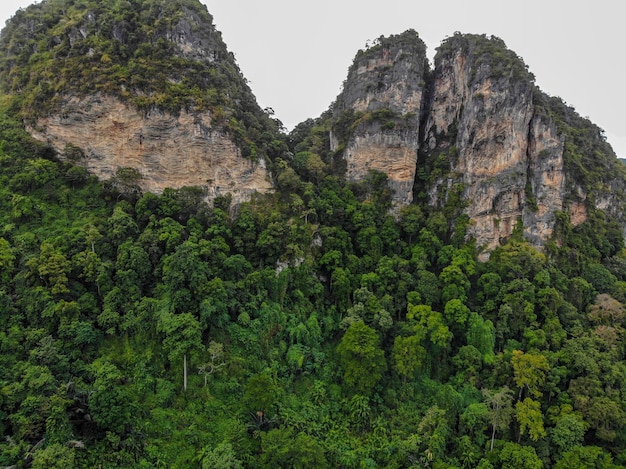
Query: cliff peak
(474, 137)
(145, 85)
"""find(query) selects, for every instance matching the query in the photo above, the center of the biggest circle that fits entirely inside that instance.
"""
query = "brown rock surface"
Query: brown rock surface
(168, 151)
(388, 77)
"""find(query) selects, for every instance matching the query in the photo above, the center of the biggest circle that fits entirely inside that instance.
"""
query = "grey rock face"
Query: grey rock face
(480, 131)
(384, 91)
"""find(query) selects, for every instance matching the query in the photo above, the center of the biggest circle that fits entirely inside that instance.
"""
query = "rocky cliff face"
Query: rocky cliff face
(149, 86)
(488, 140)
(167, 150)
(509, 162)
(383, 97)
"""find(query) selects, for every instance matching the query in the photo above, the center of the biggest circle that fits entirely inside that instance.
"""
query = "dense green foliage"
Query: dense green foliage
(156, 54)
(314, 329)
(309, 328)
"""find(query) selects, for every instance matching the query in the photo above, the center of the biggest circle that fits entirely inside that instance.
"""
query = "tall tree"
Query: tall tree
(182, 335)
(362, 359)
(530, 370)
(500, 408)
(528, 414)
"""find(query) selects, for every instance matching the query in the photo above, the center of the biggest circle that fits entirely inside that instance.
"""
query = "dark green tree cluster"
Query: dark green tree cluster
(309, 328)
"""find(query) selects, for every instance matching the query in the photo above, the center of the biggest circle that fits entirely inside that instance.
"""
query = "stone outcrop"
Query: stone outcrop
(474, 135)
(384, 93)
(509, 161)
(167, 150)
(482, 137)
(165, 98)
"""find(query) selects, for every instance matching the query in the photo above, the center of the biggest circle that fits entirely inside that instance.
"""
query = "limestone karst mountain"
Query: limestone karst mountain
(152, 87)
(474, 134)
(342, 319)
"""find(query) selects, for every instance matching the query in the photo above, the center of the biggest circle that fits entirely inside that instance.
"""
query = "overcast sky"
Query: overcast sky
(296, 53)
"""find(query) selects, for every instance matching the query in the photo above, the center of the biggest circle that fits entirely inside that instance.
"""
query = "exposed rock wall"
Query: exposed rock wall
(509, 162)
(480, 127)
(545, 181)
(168, 151)
(391, 152)
(384, 90)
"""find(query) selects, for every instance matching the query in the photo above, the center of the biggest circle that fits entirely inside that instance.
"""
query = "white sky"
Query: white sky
(296, 53)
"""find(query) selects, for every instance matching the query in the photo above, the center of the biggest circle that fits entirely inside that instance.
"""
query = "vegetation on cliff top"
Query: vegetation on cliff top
(156, 54)
(489, 55)
(590, 161)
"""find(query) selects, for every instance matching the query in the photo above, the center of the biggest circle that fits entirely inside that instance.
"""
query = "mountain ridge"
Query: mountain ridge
(394, 115)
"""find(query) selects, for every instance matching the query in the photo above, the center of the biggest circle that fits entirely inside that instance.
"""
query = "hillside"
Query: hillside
(434, 275)
(148, 86)
(475, 137)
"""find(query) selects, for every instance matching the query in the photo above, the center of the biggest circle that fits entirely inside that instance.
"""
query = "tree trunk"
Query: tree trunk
(185, 371)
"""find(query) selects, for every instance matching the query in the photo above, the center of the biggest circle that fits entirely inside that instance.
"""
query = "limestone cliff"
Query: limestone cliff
(142, 85)
(489, 141)
(167, 150)
(484, 109)
(509, 145)
(382, 99)
(151, 86)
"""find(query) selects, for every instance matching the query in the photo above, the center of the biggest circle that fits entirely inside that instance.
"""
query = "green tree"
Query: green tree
(7, 260)
(261, 393)
(110, 404)
(475, 420)
(53, 267)
(411, 221)
(429, 324)
(54, 456)
(481, 334)
(121, 225)
(568, 432)
(182, 336)
(528, 414)
(223, 456)
(456, 312)
(514, 456)
(468, 362)
(362, 360)
(407, 355)
(587, 457)
(284, 449)
(185, 274)
(530, 370)
(367, 308)
(434, 430)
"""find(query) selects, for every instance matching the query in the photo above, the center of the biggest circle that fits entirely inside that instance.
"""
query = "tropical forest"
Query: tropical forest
(323, 323)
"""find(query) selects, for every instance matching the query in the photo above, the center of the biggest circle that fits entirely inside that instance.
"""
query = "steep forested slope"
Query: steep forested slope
(313, 327)
(317, 330)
